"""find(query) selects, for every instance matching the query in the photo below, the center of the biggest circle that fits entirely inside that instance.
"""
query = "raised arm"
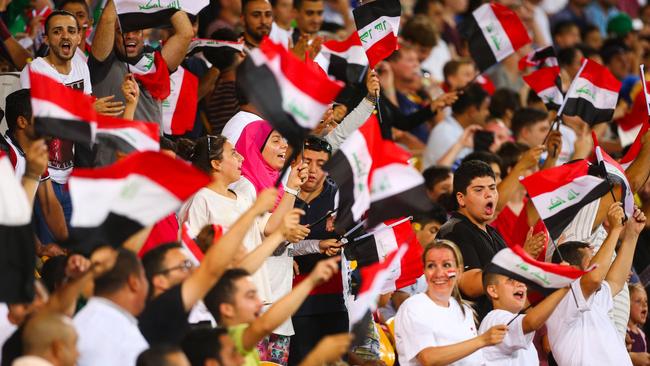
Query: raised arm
(175, 48)
(538, 315)
(510, 183)
(52, 211)
(590, 282)
(286, 306)
(620, 269)
(104, 33)
(220, 255)
(444, 355)
(471, 283)
(36, 157)
(297, 177)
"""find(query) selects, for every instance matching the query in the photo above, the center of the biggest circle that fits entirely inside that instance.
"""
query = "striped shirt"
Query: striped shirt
(221, 105)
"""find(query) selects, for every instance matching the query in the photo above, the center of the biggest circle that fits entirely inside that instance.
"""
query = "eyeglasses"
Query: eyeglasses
(317, 144)
(185, 266)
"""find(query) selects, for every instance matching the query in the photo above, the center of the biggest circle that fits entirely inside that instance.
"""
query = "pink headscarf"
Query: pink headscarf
(250, 145)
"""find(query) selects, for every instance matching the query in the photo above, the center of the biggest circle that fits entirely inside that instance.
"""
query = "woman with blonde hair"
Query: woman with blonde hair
(437, 327)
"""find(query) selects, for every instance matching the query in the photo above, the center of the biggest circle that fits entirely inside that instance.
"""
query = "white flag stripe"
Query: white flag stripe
(370, 35)
(153, 6)
(628, 137)
(553, 94)
(135, 137)
(385, 241)
(571, 87)
(15, 209)
(613, 169)
(323, 60)
(510, 261)
(356, 152)
(599, 97)
(131, 197)
(645, 88)
(354, 54)
(546, 202)
(392, 179)
(493, 31)
(45, 108)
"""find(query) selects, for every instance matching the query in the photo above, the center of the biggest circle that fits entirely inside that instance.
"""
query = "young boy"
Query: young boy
(234, 303)
(508, 297)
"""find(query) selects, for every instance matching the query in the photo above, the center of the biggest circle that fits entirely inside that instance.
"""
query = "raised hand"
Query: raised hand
(106, 106)
(494, 335)
(265, 201)
(615, 216)
(324, 270)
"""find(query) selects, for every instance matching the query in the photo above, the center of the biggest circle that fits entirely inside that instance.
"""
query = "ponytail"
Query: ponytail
(202, 151)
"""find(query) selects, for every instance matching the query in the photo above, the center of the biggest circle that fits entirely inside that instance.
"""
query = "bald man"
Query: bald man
(49, 339)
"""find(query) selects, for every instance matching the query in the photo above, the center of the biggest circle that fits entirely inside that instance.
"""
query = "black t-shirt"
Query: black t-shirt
(13, 347)
(164, 319)
(477, 247)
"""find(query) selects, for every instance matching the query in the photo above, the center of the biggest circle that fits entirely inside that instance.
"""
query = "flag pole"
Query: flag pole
(522, 311)
(571, 87)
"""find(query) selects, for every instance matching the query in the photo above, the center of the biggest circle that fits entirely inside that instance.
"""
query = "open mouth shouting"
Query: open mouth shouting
(489, 208)
(130, 47)
(66, 47)
(520, 295)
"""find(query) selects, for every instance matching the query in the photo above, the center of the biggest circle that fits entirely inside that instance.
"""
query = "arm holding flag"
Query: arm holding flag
(36, 157)
(105, 33)
(445, 355)
(297, 177)
(538, 315)
(174, 50)
(619, 270)
(508, 185)
(219, 256)
(289, 304)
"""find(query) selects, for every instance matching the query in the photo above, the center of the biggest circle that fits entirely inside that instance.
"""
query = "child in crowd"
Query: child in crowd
(508, 297)
(638, 315)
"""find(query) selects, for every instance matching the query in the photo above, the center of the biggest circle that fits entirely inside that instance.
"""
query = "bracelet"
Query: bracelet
(292, 191)
(32, 176)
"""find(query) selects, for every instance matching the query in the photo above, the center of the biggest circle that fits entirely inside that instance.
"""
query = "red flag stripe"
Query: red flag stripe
(513, 26)
(556, 177)
(73, 101)
(190, 244)
(600, 76)
(343, 46)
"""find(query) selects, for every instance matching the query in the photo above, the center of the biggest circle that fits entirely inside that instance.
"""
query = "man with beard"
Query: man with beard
(257, 17)
(115, 54)
(476, 192)
(309, 18)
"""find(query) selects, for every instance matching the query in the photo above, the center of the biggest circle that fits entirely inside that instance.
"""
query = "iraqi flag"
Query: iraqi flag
(560, 192)
(128, 136)
(202, 44)
(384, 239)
(142, 14)
(616, 175)
(344, 60)
(545, 277)
(292, 95)
(538, 59)
(60, 111)
(547, 85)
(377, 26)
(189, 245)
(593, 94)
(494, 32)
(17, 252)
(374, 175)
(179, 109)
(635, 148)
(151, 71)
(112, 203)
(631, 123)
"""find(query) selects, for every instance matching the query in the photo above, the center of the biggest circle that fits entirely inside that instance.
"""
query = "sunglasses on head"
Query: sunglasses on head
(316, 144)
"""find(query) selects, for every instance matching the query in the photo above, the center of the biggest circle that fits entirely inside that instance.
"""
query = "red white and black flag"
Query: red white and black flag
(560, 192)
(201, 44)
(377, 26)
(636, 117)
(374, 175)
(494, 32)
(60, 111)
(344, 60)
(179, 109)
(128, 136)
(112, 203)
(189, 245)
(635, 148)
(17, 237)
(539, 59)
(593, 94)
(292, 95)
(143, 14)
(547, 85)
(515, 263)
(616, 175)
(152, 72)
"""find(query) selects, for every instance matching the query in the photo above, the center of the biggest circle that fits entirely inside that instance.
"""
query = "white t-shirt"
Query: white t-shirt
(517, 348)
(569, 138)
(60, 163)
(207, 207)
(420, 323)
(586, 335)
(280, 35)
(235, 125)
(442, 138)
(436, 60)
(108, 334)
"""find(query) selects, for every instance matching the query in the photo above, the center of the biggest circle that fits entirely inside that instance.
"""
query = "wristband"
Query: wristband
(292, 191)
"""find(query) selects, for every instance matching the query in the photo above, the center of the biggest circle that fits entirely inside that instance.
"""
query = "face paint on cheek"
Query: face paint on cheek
(451, 273)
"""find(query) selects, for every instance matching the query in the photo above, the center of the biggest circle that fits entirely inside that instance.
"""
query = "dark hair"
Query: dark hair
(587, 51)
(502, 100)
(60, 13)
(17, 104)
(245, 2)
(203, 343)
(153, 260)
(562, 27)
(126, 265)
(451, 67)
(473, 96)
(421, 31)
(526, 117)
(202, 151)
(53, 272)
(156, 355)
(223, 58)
(484, 156)
(570, 252)
(532, 97)
(588, 28)
(469, 170)
(510, 152)
(611, 48)
(167, 144)
(422, 6)
(566, 56)
(437, 213)
(297, 4)
(315, 143)
(63, 3)
(205, 238)
(223, 291)
(434, 175)
(489, 278)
